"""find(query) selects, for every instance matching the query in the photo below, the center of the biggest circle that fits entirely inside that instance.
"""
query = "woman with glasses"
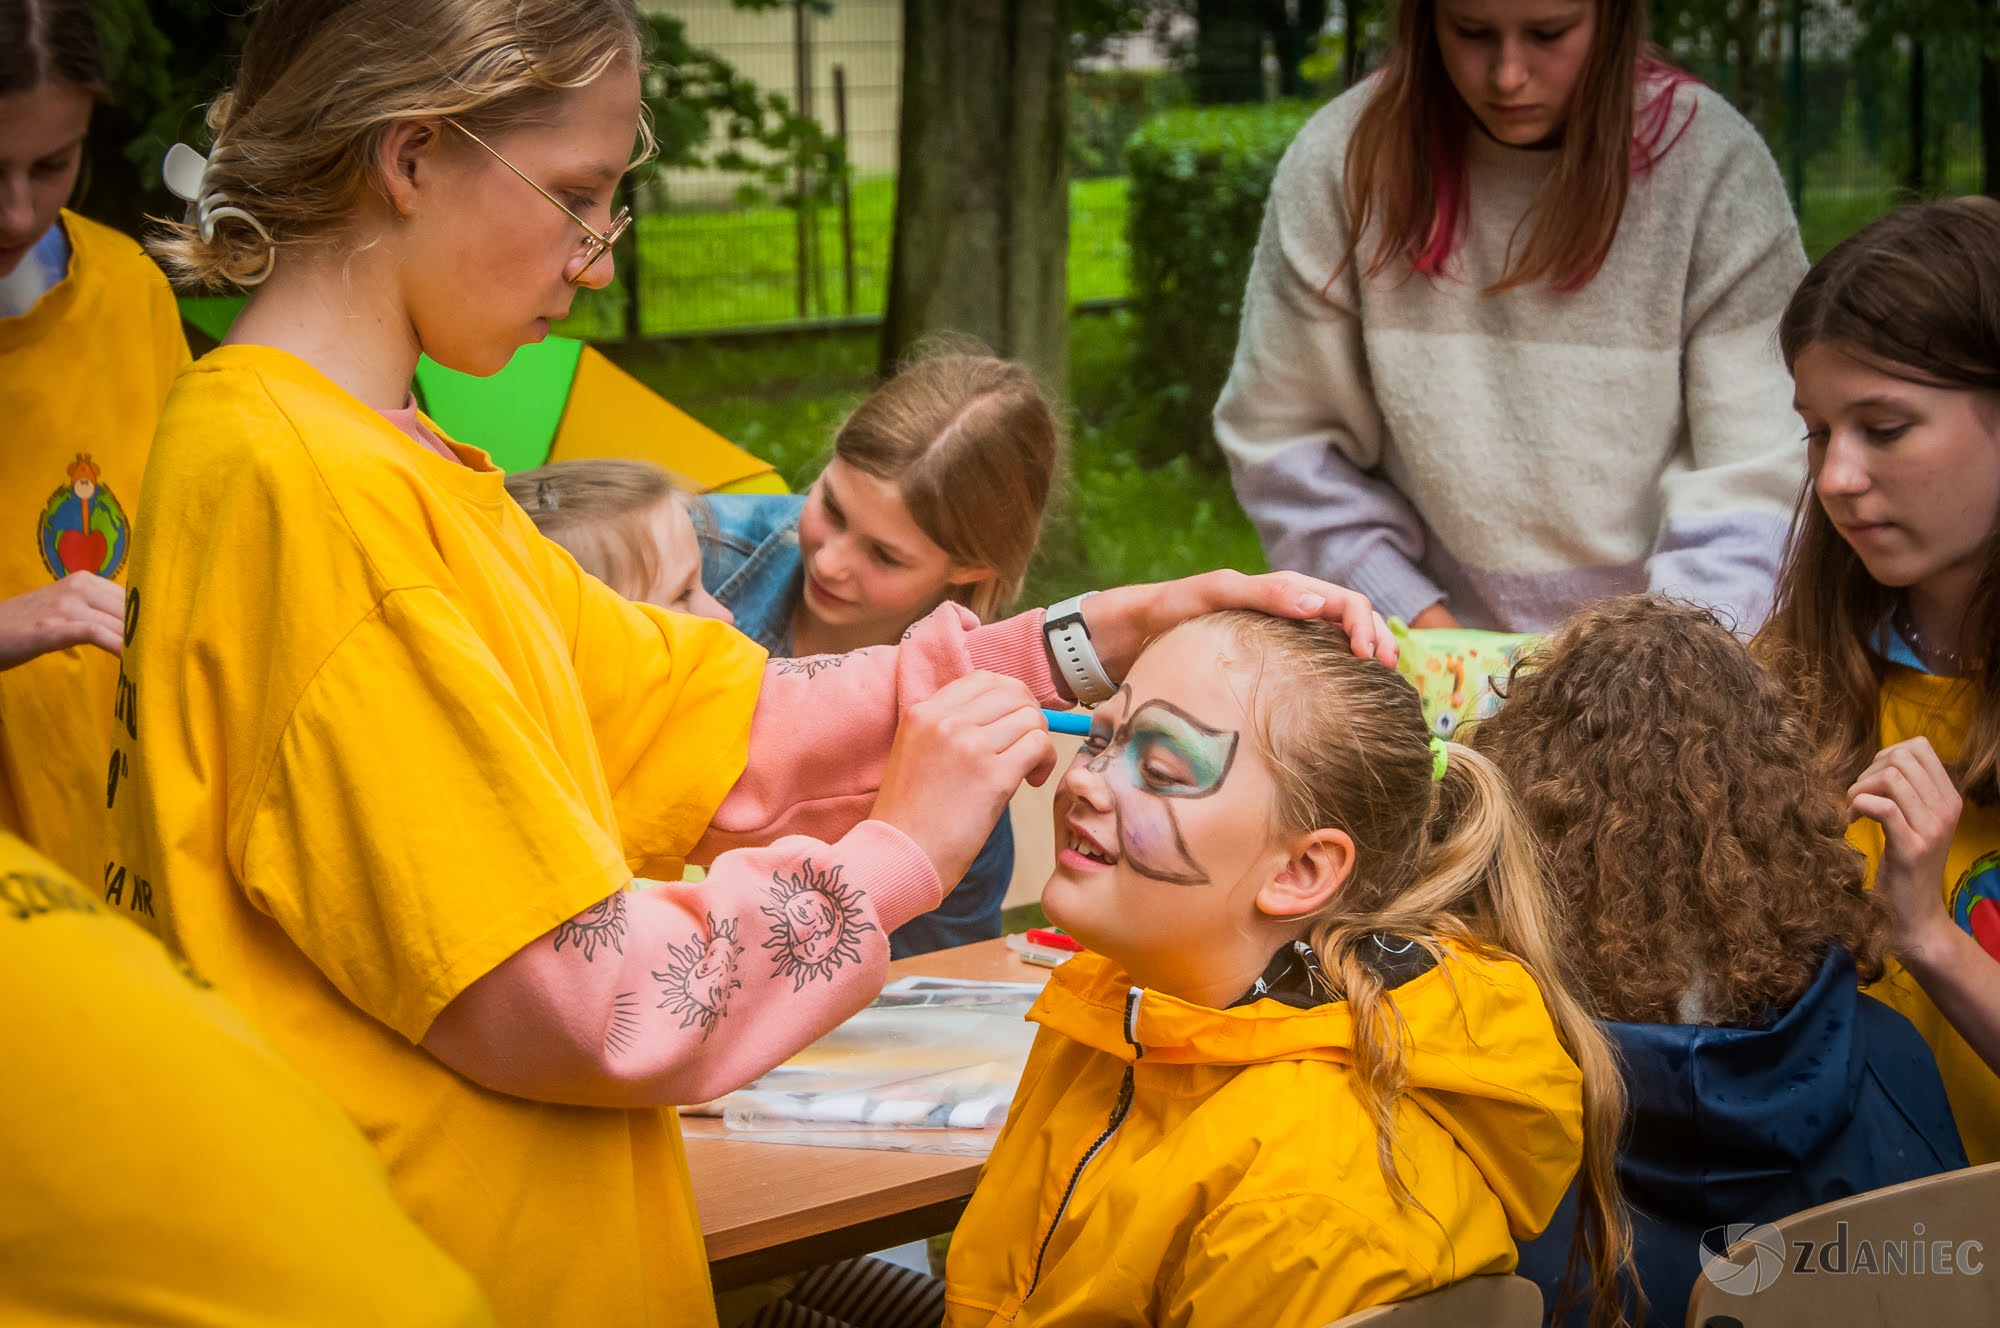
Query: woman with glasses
(388, 762)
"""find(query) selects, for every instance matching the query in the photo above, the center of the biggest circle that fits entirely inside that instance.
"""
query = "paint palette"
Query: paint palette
(1456, 671)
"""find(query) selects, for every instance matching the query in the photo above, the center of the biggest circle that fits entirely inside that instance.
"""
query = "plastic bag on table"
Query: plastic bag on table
(929, 1053)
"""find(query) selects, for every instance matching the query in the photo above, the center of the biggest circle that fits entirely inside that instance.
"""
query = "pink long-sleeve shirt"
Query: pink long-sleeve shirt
(680, 992)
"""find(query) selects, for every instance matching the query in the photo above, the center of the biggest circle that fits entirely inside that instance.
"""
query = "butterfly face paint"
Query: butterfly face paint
(1158, 755)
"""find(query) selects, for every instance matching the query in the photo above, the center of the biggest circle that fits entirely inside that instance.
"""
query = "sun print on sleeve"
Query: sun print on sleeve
(816, 923)
(600, 924)
(622, 1029)
(699, 976)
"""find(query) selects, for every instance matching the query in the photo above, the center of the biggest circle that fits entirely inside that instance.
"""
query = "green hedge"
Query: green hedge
(1199, 178)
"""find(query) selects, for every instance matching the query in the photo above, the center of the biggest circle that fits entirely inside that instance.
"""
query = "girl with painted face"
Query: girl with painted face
(1319, 1054)
(1889, 610)
(89, 340)
(1506, 343)
(935, 491)
(395, 760)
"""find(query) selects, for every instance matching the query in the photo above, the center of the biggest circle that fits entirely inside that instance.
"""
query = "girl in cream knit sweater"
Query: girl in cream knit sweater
(1500, 402)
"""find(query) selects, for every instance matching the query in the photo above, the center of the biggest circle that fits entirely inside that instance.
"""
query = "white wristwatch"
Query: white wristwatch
(1075, 658)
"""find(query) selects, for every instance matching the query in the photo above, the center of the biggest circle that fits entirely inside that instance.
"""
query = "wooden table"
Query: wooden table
(768, 1209)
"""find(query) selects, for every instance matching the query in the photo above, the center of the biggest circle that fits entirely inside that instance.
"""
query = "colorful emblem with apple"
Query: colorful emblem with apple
(1975, 902)
(82, 526)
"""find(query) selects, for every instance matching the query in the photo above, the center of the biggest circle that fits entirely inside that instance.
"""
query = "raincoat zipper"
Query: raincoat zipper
(1118, 1114)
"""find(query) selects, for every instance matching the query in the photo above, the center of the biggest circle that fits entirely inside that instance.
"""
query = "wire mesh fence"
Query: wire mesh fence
(1858, 118)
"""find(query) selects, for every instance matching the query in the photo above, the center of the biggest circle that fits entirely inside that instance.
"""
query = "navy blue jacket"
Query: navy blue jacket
(750, 561)
(1837, 1096)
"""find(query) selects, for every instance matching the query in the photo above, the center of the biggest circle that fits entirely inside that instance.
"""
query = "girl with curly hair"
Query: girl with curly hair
(1889, 605)
(1719, 926)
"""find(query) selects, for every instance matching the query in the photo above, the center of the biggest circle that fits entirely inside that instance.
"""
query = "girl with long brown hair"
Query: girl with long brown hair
(935, 492)
(1889, 609)
(1322, 1052)
(1506, 343)
(1719, 927)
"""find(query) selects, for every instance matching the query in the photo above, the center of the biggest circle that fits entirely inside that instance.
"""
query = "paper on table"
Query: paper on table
(930, 1053)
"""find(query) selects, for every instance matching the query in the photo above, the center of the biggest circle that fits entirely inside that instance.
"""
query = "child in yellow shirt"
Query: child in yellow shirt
(89, 340)
(396, 759)
(1889, 606)
(159, 1163)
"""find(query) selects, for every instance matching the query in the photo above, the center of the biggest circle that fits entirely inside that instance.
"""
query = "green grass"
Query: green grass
(706, 271)
(1113, 522)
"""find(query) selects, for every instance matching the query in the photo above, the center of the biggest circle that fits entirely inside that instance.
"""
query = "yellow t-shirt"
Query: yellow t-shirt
(159, 1163)
(82, 374)
(1917, 704)
(387, 736)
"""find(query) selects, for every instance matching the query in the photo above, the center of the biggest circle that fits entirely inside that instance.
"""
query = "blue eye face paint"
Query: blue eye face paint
(1159, 754)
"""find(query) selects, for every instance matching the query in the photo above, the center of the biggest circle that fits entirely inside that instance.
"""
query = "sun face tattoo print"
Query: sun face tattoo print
(1158, 755)
(816, 923)
(700, 976)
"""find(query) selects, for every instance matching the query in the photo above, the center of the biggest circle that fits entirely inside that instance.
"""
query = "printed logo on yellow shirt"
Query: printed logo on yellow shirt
(83, 527)
(1975, 902)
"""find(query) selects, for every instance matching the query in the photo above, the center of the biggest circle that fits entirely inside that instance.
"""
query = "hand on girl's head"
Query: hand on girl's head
(1123, 621)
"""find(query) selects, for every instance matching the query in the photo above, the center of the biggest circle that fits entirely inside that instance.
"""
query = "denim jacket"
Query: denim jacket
(750, 561)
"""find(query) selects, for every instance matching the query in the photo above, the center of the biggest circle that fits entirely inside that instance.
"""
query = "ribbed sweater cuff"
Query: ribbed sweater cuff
(1393, 583)
(1015, 646)
(901, 879)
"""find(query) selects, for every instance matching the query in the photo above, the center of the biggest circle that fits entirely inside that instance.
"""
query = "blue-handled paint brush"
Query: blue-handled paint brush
(1062, 721)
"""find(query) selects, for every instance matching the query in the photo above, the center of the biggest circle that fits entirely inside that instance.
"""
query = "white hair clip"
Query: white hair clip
(186, 174)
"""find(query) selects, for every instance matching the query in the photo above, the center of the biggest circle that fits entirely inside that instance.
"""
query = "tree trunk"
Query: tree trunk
(1748, 39)
(1989, 99)
(1350, 55)
(981, 242)
(1228, 51)
(1913, 178)
(1292, 28)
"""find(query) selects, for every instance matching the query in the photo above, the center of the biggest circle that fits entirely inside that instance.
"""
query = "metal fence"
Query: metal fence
(1857, 120)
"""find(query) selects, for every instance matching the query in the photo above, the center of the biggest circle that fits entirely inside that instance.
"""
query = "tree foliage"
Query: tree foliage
(172, 57)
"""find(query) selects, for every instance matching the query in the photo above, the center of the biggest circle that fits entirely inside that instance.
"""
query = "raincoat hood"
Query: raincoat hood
(1837, 1095)
(1165, 1162)
(1720, 1115)
(1482, 1057)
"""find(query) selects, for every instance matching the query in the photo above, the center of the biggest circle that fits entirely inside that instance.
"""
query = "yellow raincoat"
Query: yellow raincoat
(1166, 1163)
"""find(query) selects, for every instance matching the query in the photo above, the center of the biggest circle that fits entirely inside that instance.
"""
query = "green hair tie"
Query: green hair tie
(1440, 756)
